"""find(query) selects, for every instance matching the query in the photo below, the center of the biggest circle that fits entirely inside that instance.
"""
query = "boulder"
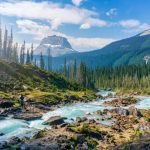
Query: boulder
(28, 116)
(2, 117)
(3, 145)
(98, 112)
(121, 111)
(88, 113)
(14, 140)
(6, 104)
(91, 121)
(64, 125)
(1, 134)
(80, 138)
(134, 111)
(83, 119)
(56, 120)
(78, 119)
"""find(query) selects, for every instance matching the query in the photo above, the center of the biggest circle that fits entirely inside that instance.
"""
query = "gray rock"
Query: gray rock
(3, 145)
(1, 134)
(28, 116)
(80, 138)
(57, 44)
(78, 119)
(6, 104)
(56, 120)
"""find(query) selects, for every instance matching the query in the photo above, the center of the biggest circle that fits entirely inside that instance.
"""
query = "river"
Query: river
(20, 128)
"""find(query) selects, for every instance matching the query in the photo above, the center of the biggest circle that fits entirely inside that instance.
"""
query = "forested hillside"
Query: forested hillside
(37, 84)
(124, 78)
(124, 52)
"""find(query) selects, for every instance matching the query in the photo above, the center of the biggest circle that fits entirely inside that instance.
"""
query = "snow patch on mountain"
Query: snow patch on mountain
(147, 32)
(58, 46)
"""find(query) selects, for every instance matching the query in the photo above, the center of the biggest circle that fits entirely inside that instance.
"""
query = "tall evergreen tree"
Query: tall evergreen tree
(42, 64)
(1, 46)
(82, 74)
(22, 53)
(28, 57)
(15, 53)
(5, 43)
(31, 54)
(10, 46)
(49, 60)
(75, 70)
(65, 67)
(35, 63)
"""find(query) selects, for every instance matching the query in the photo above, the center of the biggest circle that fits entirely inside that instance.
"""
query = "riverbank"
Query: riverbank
(89, 125)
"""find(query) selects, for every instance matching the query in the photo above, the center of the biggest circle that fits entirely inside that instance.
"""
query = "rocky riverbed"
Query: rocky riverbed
(93, 125)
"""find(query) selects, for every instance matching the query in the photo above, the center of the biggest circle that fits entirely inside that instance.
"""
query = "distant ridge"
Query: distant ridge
(123, 52)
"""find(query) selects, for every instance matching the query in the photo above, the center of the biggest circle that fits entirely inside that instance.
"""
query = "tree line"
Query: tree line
(9, 51)
(76, 71)
(127, 77)
(122, 77)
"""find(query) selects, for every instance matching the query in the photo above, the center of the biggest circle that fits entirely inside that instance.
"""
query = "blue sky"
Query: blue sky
(88, 24)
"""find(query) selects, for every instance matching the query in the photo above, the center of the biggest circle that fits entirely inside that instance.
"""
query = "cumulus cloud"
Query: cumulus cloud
(54, 13)
(77, 2)
(36, 29)
(129, 23)
(112, 12)
(93, 22)
(39, 31)
(133, 25)
(88, 44)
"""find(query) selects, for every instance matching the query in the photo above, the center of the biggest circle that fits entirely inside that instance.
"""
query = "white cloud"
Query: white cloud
(87, 44)
(93, 22)
(77, 2)
(112, 12)
(133, 26)
(54, 13)
(129, 23)
(36, 29)
(39, 31)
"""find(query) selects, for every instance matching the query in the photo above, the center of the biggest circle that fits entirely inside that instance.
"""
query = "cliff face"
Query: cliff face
(57, 44)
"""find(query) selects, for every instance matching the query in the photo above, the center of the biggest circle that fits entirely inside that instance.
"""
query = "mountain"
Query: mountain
(124, 52)
(57, 44)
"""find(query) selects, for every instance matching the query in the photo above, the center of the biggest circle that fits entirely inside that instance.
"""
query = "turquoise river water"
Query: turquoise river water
(20, 128)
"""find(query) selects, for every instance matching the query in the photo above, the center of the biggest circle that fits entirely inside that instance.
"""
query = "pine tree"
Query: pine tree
(15, 53)
(10, 46)
(1, 47)
(31, 54)
(22, 54)
(75, 70)
(82, 74)
(5, 44)
(42, 64)
(49, 61)
(35, 63)
(28, 57)
(65, 68)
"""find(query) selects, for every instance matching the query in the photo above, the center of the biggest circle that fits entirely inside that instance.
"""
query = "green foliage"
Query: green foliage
(42, 63)
(38, 85)
(91, 143)
(40, 134)
(124, 78)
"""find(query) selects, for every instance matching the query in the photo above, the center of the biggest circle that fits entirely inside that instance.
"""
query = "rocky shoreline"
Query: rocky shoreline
(130, 125)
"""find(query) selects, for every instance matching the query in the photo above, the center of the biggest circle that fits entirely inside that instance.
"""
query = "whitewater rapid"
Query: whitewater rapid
(12, 127)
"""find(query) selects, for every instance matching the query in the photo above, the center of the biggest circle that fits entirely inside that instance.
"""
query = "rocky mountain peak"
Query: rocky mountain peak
(58, 45)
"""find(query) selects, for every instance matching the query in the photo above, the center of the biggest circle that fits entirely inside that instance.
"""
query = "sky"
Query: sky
(87, 24)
